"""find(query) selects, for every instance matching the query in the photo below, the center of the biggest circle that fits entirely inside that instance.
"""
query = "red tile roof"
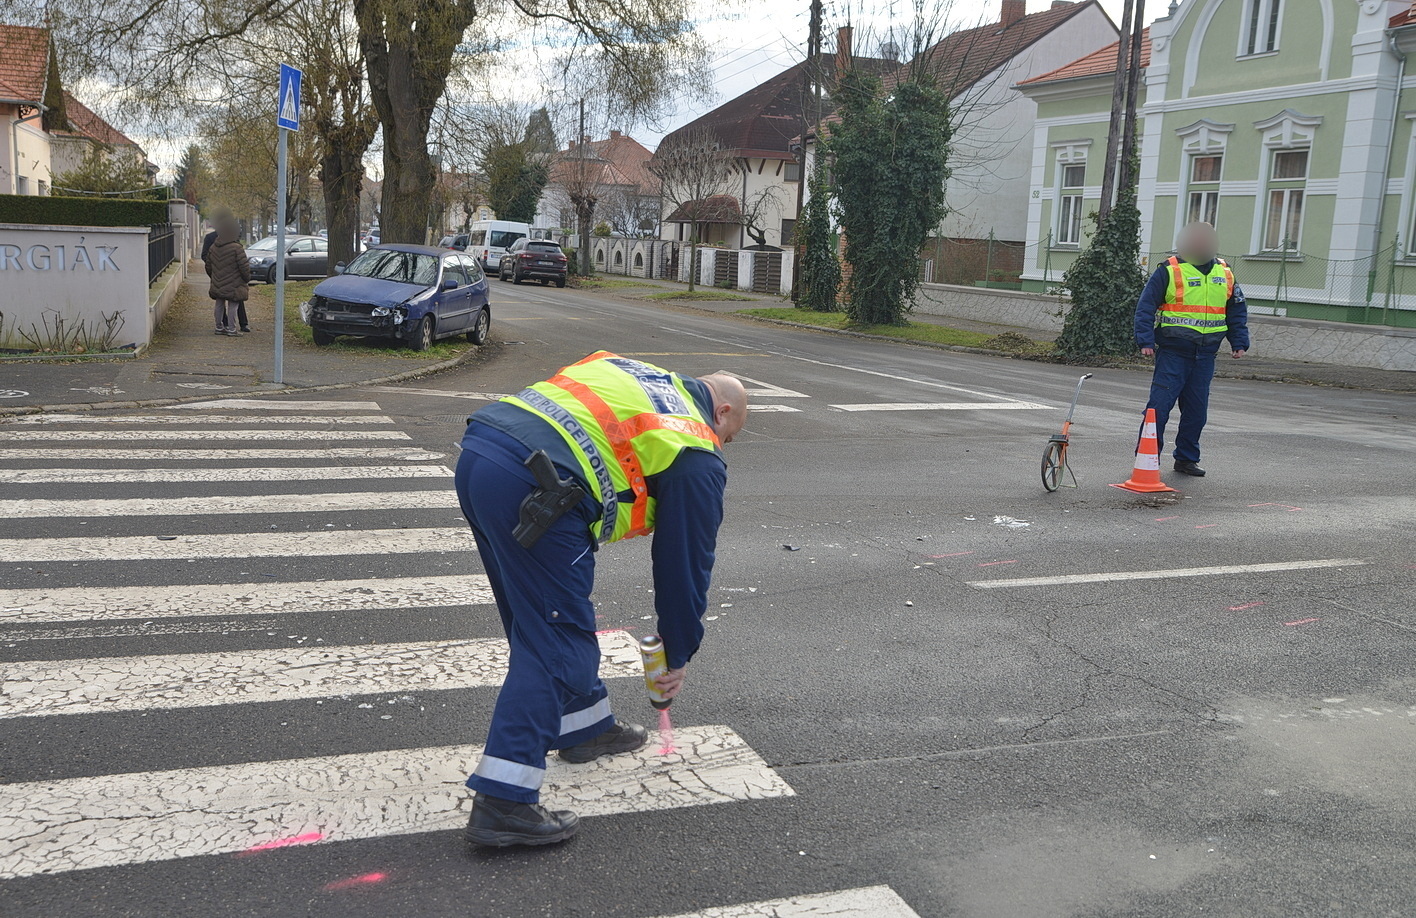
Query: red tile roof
(1405, 17)
(84, 122)
(1098, 63)
(617, 160)
(765, 120)
(24, 62)
(967, 56)
(720, 208)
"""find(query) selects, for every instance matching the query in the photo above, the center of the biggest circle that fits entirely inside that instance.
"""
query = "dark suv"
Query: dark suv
(533, 259)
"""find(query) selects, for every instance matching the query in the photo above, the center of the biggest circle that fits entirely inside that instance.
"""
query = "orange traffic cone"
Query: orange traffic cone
(1145, 476)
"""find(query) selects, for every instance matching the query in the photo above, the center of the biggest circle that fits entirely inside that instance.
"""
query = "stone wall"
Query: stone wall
(1000, 307)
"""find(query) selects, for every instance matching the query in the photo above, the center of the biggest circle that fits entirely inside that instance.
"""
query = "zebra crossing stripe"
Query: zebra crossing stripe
(104, 685)
(256, 404)
(113, 435)
(242, 503)
(33, 420)
(255, 473)
(52, 827)
(401, 453)
(117, 604)
(866, 902)
(233, 545)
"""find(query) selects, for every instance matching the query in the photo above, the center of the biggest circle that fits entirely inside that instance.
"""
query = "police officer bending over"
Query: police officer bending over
(608, 449)
(1190, 305)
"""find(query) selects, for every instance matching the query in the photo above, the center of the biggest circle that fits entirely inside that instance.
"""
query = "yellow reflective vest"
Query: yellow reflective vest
(1195, 300)
(624, 421)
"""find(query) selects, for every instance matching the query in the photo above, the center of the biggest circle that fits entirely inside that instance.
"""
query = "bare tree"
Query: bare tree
(631, 210)
(693, 171)
(758, 209)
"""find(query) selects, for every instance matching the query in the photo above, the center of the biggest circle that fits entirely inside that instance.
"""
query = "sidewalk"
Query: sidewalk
(1249, 367)
(187, 361)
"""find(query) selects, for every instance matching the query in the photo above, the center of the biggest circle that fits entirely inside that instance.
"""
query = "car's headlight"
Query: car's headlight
(382, 310)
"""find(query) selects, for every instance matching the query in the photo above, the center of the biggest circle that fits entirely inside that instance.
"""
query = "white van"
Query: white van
(488, 240)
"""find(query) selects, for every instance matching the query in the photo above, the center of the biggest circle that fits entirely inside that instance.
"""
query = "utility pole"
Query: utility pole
(1126, 170)
(584, 260)
(1118, 94)
(810, 121)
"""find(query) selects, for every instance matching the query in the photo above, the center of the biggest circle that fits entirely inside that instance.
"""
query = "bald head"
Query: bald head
(1198, 243)
(729, 404)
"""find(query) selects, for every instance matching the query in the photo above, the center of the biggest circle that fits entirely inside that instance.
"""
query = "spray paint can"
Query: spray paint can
(656, 663)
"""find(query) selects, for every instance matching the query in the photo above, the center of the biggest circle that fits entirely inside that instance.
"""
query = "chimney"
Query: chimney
(1059, 4)
(614, 135)
(843, 50)
(1013, 10)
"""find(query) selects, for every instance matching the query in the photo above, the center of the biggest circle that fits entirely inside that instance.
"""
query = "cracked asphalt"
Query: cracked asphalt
(1235, 744)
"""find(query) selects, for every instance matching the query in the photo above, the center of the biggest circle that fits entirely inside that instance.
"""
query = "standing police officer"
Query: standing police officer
(1190, 305)
(607, 449)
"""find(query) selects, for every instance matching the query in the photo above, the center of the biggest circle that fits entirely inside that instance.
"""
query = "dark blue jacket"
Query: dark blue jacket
(1153, 297)
(688, 511)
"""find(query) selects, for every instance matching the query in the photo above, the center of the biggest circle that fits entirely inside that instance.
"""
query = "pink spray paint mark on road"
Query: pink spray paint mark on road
(1161, 519)
(957, 554)
(666, 734)
(1247, 605)
(1303, 621)
(364, 879)
(1207, 526)
(1289, 507)
(991, 563)
(308, 838)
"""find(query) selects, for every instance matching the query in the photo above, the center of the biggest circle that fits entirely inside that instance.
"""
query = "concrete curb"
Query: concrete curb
(449, 364)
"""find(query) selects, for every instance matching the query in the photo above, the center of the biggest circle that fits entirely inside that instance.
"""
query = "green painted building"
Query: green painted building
(1289, 124)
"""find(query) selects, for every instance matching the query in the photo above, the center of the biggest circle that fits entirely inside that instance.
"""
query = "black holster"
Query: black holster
(552, 499)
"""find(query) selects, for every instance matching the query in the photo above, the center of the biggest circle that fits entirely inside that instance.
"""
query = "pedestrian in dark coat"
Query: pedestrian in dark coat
(230, 272)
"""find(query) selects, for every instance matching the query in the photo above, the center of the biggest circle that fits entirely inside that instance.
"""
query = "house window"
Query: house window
(44, 188)
(1287, 177)
(788, 232)
(792, 172)
(1069, 205)
(22, 184)
(1260, 34)
(1204, 190)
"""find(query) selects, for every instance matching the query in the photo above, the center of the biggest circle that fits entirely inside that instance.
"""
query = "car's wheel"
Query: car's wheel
(481, 328)
(423, 337)
(560, 282)
(545, 282)
(322, 338)
(515, 275)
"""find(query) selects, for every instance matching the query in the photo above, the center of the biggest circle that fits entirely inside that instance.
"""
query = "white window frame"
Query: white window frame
(1288, 189)
(1206, 191)
(1266, 16)
(1068, 153)
(1070, 203)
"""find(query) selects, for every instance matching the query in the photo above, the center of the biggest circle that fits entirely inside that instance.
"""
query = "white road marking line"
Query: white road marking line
(45, 688)
(942, 406)
(277, 405)
(1164, 575)
(50, 827)
(444, 393)
(866, 902)
(908, 379)
(44, 419)
(259, 473)
(242, 503)
(108, 603)
(776, 408)
(767, 390)
(228, 434)
(233, 545)
(138, 629)
(402, 453)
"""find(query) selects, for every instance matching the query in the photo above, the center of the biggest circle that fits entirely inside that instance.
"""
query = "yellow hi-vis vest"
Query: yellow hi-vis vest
(624, 421)
(1195, 300)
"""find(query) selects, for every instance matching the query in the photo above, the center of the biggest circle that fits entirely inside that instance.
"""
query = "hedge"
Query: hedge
(64, 211)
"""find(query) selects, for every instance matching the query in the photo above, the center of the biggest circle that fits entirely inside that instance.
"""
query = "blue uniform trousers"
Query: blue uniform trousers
(552, 697)
(1183, 370)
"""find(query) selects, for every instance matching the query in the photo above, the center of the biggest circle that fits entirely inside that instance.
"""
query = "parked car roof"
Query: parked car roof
(416, 249)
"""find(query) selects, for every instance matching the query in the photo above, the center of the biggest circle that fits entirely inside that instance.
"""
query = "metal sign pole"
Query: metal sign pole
(280, 195)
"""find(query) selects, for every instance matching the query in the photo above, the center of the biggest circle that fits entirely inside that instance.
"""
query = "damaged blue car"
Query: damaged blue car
(414, 294)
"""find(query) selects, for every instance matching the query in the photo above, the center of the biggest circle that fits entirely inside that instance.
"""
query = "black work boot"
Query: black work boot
(499, 823)
(622, 737)
(1189, 468)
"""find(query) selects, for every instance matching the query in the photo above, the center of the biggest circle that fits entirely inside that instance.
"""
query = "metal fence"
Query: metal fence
(162, 249)
(990, 262)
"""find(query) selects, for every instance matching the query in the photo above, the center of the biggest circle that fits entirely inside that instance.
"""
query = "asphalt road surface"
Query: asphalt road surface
(246, 656)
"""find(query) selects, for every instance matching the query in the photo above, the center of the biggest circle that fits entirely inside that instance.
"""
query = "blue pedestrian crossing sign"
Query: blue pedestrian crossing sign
(288, 113)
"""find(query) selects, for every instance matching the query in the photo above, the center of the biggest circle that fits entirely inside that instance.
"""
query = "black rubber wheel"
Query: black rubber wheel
(323, 339)
(424, 337)
(545, 282)
(515, 275)
(481, 328)
(1052, 466)
(560, 282)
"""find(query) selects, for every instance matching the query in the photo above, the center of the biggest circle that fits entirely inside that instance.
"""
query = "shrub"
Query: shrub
(73, 211)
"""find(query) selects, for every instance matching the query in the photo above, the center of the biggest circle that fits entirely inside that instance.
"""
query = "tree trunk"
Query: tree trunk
(342, 173)
(1113, 131)
(586, 261)
(692, 261)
